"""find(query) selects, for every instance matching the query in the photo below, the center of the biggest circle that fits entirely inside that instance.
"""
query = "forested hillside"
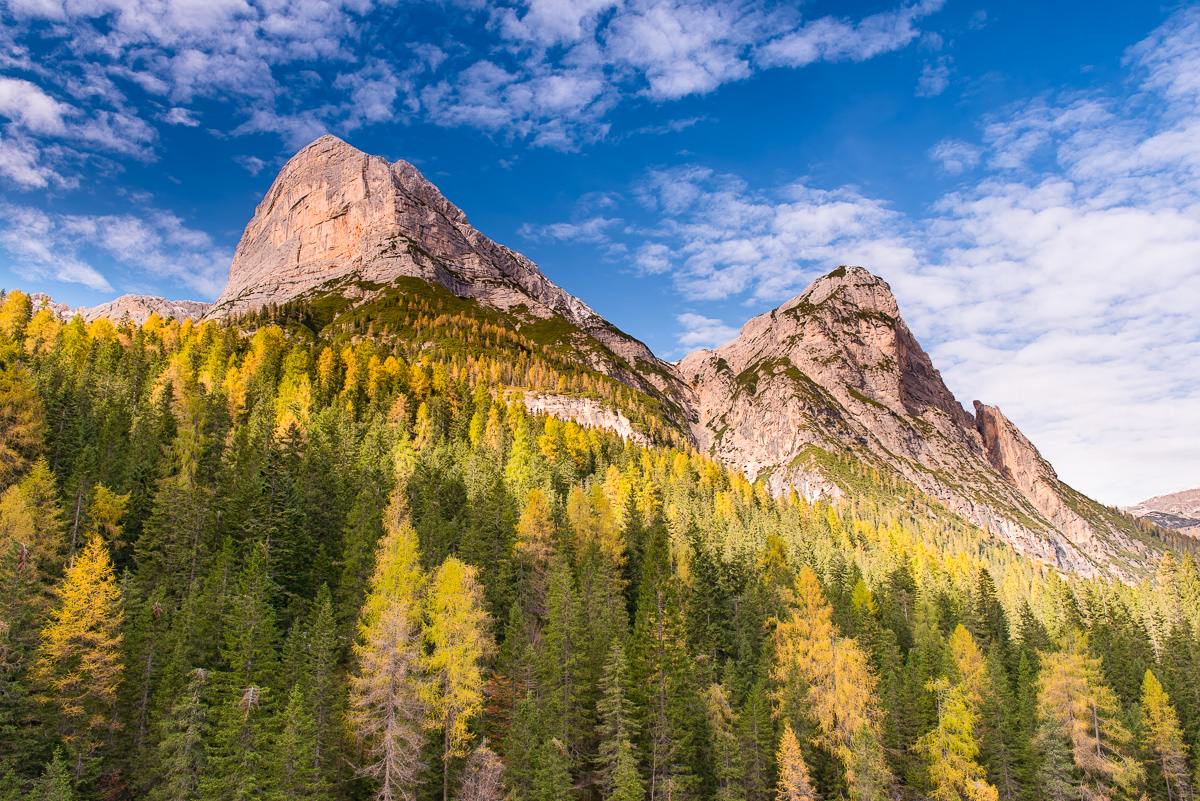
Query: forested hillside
(278, 559)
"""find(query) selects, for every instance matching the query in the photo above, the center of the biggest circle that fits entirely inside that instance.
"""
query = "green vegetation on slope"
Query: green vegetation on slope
(274, 564)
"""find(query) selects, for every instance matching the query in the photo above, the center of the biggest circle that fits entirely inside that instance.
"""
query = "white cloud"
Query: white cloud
(548, 72)
(935, 78)
(955, 156)
(181, 116)
(593, 229)
(20, 162)
(42, 245)
(702, 332)
(562, 65)
(31, 108)
(253, 164)
(1062, 284)
(832, 39)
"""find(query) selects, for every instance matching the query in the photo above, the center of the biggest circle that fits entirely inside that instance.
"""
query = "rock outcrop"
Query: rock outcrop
(587, 412)
(830, 378)
(336, 215)
(836, 372)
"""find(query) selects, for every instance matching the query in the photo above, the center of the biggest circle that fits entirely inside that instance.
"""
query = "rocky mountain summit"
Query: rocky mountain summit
(835, 372)
(339, 220)
(1176, 510)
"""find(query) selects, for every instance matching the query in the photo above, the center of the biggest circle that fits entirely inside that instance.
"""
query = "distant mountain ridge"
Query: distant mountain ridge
(1176, 510)
(833, 376)
(136, 308)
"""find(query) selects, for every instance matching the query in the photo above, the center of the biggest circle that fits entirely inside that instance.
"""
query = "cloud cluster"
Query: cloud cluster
(100, 76)
(1060, 280)
(560, 66)
(154, 245)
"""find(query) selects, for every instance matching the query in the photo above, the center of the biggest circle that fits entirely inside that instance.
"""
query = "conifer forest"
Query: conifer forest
(308, 555)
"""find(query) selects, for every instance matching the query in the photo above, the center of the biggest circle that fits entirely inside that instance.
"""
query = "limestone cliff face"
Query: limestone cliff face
(832, 374)
(587, 412)
(336, 213)
(836, 371)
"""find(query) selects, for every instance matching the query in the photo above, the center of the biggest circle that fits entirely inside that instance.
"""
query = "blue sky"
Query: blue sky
(1026, 175)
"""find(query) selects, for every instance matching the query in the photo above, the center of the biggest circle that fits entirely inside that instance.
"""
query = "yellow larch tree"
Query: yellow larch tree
(535, 545)
(458, 638)
(951, 747)
(794, 782)
(79, 664)
(821, 674)
(1075, 704)
(1162, 738)
(388, 685)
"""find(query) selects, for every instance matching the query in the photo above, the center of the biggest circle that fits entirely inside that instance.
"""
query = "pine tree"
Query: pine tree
(79, 666)
(669, 698)
(458, 637)
(557, 664)
(758, 739)
(1163, 740)
(388, 686)
(294, 765)
(181, 751)
(324, 692)
(617, 761)
(238, 754)
(794, 782)
(55, 784)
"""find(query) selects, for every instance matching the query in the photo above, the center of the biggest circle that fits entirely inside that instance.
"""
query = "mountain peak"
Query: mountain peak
(835, 372)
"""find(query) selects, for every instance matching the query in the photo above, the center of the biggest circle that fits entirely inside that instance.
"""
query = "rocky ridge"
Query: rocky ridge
(836, 371)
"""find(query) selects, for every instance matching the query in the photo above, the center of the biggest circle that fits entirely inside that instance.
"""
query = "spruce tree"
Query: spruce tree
(617, 762)
(181, 750)
(55, 784)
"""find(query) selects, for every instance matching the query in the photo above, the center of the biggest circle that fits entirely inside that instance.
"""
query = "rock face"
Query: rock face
(335, 214)
(1177, 510)
(836, 371)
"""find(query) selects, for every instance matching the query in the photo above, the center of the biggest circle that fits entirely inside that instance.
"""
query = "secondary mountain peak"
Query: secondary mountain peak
(835, 377)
